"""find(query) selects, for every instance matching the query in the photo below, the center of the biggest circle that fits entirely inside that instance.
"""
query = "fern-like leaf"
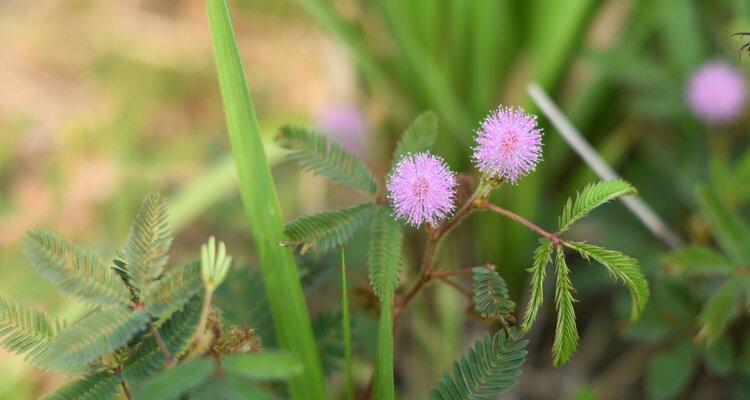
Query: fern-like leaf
(491, 295)
(145, 251)
(145, 358)
(731, 233)
(593, 195)
(384, 256)
(315, 154)
(175, 382)
(566, 332)
(487, 370)
(97, 386)
(419, 137)
(175, 289)
(697, 260)
(75, 270)
(327, 229)
(720, 309)
(99, 333)
(26, 330)
(542, 257)
(625, 269)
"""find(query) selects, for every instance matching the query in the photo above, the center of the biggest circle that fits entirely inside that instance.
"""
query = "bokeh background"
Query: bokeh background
(102, 102)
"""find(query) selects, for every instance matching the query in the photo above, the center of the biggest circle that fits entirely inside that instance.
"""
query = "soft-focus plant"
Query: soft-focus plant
(151, 331)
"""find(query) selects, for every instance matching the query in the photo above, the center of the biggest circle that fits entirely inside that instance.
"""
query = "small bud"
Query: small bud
(214, 265)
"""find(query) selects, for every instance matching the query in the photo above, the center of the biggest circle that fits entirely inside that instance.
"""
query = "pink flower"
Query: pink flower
(422, 189)
(716, 93)
(509, 144)
(348, 126)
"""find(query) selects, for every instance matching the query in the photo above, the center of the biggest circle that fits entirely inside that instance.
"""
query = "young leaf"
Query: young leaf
(593, 195)
(145, 251)
(566, 332)
(280, 274)
(720, 309)
(419, 137)
(215, 263)
(98, 386)
(542, 257)
(315, 154)
(175, 289)
(266, 365)
(384, 256)
(145, 357)
(328, 229)
(697, 260)
(491, 295)
(177, 381)
(487, 370)
(731, 233)
(76, 271)
(624, 268)
(26, 330)
(383, 384)
(101, 332)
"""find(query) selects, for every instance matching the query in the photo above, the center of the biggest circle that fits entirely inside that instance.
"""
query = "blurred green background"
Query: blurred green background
(103, 102)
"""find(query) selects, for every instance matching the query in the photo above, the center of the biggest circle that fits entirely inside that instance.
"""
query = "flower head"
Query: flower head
(347, 125)
(509, 144)
(422, 189)
(716, 93)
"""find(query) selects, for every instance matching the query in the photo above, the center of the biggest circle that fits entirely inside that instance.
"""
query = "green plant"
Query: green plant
(151, 332)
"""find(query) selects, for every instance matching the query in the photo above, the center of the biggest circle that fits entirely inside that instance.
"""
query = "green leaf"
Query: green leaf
(145, 251)
(384, 256)
(280, 274)
(487, 370)
(328, 229)
(566, 332)
(175, 382)
(698, 260)
(97, 386)
(669, 372)
(731, 233)
(315, 154)
(328, 334)
(720, 309)
(26, 330)
(491, 295)
(383, 384)
(266, 365)
(625, 269)
(75, 270)
(542, 257)
(346, 328)
(145, 357)
(175, 289)
(592, 196)
(419, 137)
(99, 333)
(719, 356)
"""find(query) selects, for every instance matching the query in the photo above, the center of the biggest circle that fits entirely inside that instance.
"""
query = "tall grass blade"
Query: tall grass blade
(285, 297)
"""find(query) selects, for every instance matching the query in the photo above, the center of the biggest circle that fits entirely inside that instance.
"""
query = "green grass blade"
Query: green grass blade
(346, 329)
(384, 387)
(285, 297)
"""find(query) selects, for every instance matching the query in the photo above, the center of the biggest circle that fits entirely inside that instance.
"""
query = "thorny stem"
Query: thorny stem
(549, 236)
(162, 346)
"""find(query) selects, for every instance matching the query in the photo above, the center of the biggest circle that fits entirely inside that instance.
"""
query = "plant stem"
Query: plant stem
(162, 346)
(455, 272)
(549, 236)
(346, 329)
(204, 317)
(466, 292)
(126, 390)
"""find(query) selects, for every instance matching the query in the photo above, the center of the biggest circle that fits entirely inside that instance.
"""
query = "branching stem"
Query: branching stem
(549, 236)
(162, 346)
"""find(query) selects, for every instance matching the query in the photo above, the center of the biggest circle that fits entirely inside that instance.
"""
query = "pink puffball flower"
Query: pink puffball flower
(346, 125)
(509, 144)
(716, 93)
(422, 189)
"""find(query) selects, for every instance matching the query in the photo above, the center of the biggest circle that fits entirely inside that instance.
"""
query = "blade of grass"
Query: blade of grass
(285, 297)
(384, 387)
(345, 320)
